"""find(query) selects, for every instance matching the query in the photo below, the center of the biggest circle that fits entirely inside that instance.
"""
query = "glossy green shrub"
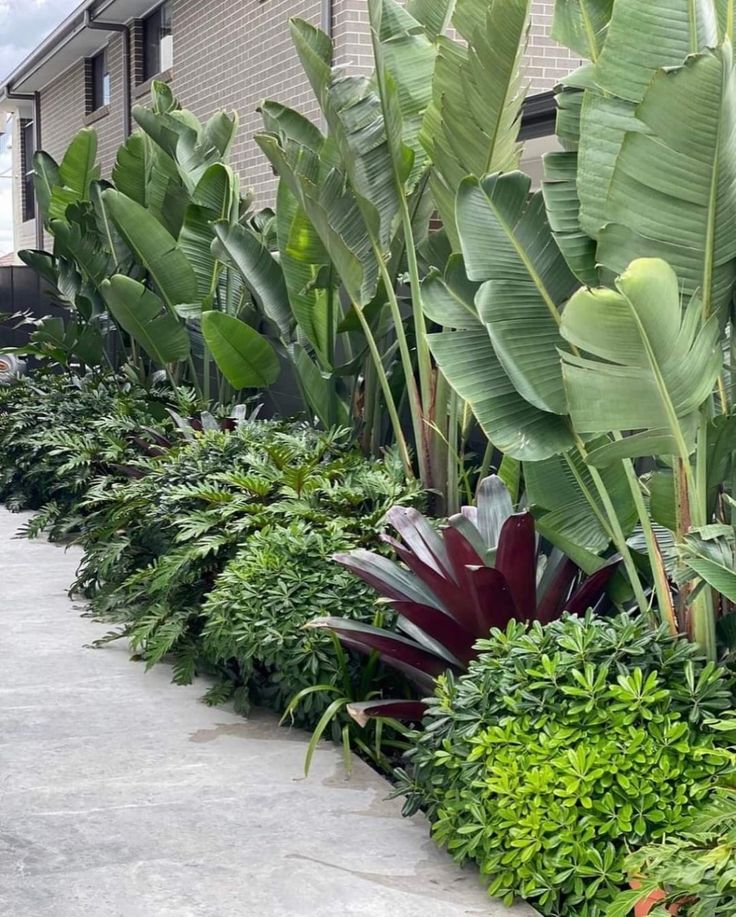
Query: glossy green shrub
(256, 616)
(562, 748)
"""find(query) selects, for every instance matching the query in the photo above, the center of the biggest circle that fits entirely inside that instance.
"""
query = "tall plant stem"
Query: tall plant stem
(195, 377)
(415, 405)
(703, 608)
(661, 583)
(387, 393)
(424, 360)
(615, 529)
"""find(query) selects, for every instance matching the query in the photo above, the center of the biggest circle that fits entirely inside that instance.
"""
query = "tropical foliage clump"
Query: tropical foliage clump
(60, 433)
(563, 747)
(692, 870)
(230, 532)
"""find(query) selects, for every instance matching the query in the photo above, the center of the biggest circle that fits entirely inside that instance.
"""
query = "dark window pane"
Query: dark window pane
(157, 42)
(100, 81)
(27, 142)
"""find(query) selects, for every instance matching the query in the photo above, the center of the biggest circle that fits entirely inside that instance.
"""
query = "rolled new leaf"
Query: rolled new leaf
(244, 357)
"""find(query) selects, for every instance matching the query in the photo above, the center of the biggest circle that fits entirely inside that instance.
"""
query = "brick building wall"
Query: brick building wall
(231, 55)
(227, 58)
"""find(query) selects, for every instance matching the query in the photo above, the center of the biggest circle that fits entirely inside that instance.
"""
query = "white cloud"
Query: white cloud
(23, 26)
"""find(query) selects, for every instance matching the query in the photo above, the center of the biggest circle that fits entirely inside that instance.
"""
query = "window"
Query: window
(158, 43)
(100, 77)
(27, 148)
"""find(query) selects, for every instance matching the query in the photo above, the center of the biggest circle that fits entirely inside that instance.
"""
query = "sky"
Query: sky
(23, 25)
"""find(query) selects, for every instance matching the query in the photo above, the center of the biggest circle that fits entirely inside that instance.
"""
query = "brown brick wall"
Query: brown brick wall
(547, 62)
(231, 55)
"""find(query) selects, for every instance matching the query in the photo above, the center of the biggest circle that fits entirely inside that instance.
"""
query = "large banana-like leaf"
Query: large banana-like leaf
(581, 25)
(472, 126)
(302, 257)
(650, 367)
(561, 490)
(641, 39)
(143, 315)
(468, 360)
(154, 248)
(77, 169)
(508, 247)
(260, 270)
(212, 200)
(243, 356)
(405, 60)
(46, 177)
(331, 209)
(130, 172)
(673, 193)
(319, 389)
(434, 15)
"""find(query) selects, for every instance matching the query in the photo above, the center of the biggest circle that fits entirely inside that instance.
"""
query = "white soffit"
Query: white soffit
(70, 42)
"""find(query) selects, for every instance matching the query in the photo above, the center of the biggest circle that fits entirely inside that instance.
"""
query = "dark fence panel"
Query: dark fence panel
(22, 290)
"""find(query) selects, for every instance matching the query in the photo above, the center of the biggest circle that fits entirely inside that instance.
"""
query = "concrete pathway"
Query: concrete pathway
(121, 795)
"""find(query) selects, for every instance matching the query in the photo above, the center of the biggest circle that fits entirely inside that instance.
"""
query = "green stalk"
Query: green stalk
(661, 583)
(415, 405)
(387, 394)
(454, 459)
(614, 527)
(703, 609)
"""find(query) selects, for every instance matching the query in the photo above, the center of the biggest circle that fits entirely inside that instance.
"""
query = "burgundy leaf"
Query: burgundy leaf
(492, 601)
(552, 603)
(516, 559)
(421, 538)
(157, 437)
(592, 590)
(386, 577)
(461, 553)
(129, 471)
(407, 711)
(448, 595)
(421, 666)
(440, 627)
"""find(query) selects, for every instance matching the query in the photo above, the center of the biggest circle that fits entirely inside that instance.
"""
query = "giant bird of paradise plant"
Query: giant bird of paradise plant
(587, 324)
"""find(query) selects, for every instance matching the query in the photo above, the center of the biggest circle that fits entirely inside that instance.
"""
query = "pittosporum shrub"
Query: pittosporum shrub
(564, 747)
(255, 618)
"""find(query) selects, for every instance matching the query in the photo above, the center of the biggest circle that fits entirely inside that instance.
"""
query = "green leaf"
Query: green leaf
(472, 126)
(302, 256)
(243, 356)
(561, 490)
(142, 314)
(319, 389)
(130, 172)
(77, 168)
(581, 25)
(508, 246)
(260, 270)
(651, 363)
(154, 248)
(469, 363)
(46, 177)
(687, 127)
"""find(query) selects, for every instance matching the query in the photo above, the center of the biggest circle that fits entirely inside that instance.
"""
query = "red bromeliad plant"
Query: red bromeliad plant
(480, 571)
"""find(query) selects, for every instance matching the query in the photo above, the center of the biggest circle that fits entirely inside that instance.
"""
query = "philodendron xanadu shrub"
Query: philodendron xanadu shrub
(59, 432)
(562, 748)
